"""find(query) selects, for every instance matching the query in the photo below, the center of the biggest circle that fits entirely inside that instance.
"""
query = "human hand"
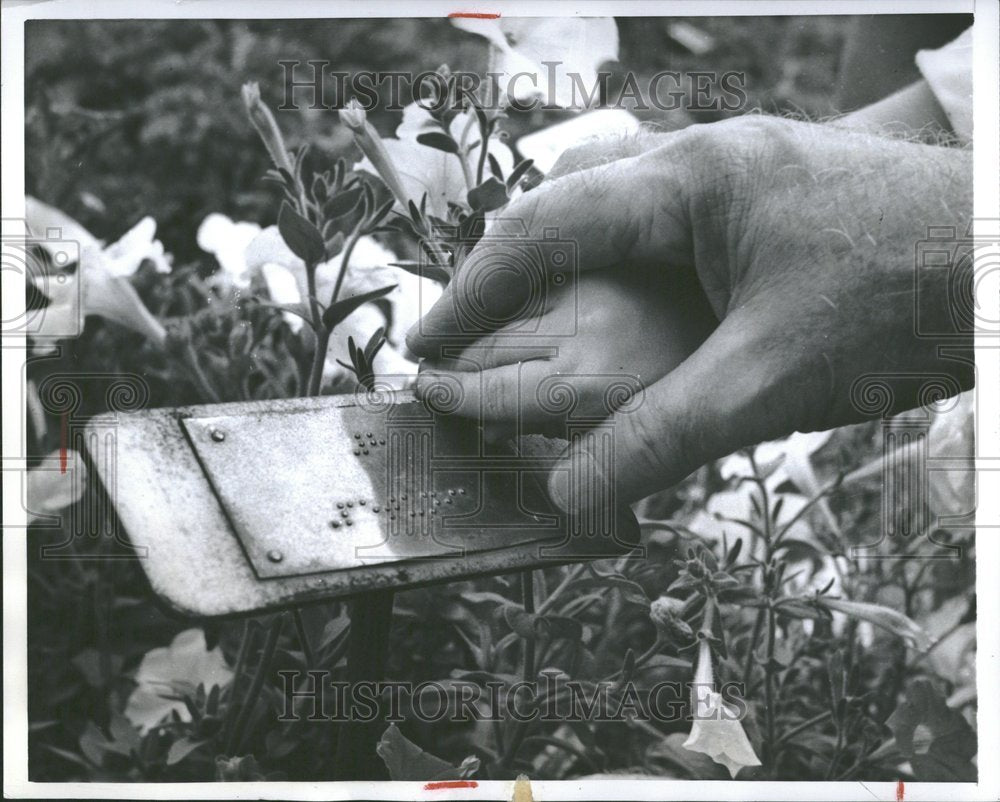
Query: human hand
(802, 237)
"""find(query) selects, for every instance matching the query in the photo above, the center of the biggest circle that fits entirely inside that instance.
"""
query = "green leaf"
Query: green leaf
(338, 312)
(343, 203)
(937, 740)
(439, 141)
(181, 748)
(301, 236)
(490, 195)
(408, 762)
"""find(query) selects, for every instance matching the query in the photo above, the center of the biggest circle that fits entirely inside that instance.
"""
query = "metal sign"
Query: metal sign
(246, 506)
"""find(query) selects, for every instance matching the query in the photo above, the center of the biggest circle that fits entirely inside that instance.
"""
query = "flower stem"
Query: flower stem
(236, 737)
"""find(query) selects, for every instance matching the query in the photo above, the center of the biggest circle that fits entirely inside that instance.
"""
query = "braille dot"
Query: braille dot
(357, 436)
(365, 451)
(275, 556)
(395, 506)
(447, 501)
(403, 497)
(357, 452)
(344, 513)
(413, 515)
(451, 492)
(376, 508)
(392, 516)
(392, 498)
(368, 434)
(434, 512)
(349, 522)
(350, 503)
(437, 503)
(420, 512)
(335, 524)
(461, 491)
(381, 441)
(362, 502)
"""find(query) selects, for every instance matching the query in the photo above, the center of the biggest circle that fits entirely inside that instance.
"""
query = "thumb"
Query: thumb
(729, 394)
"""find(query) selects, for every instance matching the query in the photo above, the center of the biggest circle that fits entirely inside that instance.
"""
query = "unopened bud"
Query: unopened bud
(267, 127)
(353, 115)
(368, 140)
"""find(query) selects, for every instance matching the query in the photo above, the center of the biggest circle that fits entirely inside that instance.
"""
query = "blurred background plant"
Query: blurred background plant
(853, 668)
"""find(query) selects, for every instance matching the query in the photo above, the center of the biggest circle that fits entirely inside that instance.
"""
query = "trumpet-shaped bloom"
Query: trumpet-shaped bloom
(717, 731)
(574, 46)
(100, 285)
(422, 169)
(228, 240)
(54, 484)
(185, 660)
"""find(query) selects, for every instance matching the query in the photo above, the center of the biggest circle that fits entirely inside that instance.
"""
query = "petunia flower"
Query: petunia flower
(228, 240)
(105, 290)
(546, 145)
(422, 169)
(576, 45)
(186, 660)
(54, 484)
(717, 731)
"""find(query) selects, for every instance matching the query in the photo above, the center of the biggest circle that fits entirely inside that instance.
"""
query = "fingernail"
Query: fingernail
(577, 483)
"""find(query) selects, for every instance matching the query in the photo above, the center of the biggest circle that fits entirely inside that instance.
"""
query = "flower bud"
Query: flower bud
(368, 140)
(353, 115)
(267, 127)
(665, 613)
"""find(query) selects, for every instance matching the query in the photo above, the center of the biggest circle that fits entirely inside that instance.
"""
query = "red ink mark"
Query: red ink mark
(63, 445)
(451, 783)
(900, 791)
(473, 15)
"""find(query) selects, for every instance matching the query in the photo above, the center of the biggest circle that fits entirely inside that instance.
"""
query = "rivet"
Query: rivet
(217, 435)
(335, 524)
(275, 556)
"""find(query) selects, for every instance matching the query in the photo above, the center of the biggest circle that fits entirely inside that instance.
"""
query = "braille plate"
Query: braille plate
(233, 505)
(308, 491)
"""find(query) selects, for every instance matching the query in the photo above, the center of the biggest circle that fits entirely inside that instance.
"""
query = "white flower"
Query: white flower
(717, 731)
(228, 241)
(185, 660)
(422, 169)
(577, 45)
(103, 271)
(54, 484)
(545, 146)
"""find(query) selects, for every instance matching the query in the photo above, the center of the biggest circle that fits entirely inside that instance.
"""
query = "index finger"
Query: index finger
(634, 210)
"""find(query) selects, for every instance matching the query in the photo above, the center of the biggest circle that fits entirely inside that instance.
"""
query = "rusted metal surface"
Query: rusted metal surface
(254, 505)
